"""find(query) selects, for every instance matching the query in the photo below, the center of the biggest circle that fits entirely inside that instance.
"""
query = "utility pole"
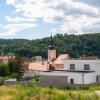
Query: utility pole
(83, 78)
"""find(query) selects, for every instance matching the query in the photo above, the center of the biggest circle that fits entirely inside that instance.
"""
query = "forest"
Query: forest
(74, 45)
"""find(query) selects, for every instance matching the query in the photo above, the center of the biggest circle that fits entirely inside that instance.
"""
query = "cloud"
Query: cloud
(37, 9)
(47, 9)
(75, 16)
(79, 25)
(12, 29)
(79, 7)
(10, 2)
(0, 25)
(19, 19)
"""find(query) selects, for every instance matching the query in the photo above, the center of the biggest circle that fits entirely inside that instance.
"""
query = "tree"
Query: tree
(15, 67)
(75, 45)
(33, 58)
(4, 70)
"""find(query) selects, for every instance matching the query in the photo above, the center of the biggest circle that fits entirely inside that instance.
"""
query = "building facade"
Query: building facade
(63, 70)
(74, 72)
(87, 71)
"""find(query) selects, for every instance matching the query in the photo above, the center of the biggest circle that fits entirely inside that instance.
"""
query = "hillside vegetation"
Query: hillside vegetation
(47, 93)
(75, 45)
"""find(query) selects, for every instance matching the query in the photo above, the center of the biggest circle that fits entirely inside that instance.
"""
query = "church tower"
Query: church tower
(51, 50)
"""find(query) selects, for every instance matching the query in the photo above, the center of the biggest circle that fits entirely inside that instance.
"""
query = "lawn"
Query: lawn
(19, 92)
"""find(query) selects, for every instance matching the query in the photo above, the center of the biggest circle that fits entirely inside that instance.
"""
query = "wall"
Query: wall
(54, 80)
(31, 73)
(82, 78)
(78, 77)
(79, 65)
(51, 54)
(89, 78)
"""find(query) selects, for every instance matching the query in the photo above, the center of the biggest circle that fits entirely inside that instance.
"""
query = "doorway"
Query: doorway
(72, 81)
(98, 78)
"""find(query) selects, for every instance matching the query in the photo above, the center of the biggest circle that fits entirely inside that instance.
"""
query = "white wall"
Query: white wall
(89, 78)
(78, 78)
(70, 75)
(79, 65)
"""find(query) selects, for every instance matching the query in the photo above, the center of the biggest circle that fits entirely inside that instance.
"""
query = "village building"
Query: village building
(63, 70)
(5, 59)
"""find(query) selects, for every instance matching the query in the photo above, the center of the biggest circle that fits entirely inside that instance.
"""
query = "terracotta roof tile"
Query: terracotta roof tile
(39, 66)
(61, 58)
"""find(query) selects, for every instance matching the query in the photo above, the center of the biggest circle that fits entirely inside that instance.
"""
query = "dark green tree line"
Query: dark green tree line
(75, 45)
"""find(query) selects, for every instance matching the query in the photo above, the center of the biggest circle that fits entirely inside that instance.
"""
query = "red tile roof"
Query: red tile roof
(61, 58)
(43, 65)
(38, 66)
(88, 57)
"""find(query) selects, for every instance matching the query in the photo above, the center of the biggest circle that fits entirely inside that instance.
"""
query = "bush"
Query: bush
(4, 70)
(94, 87)
(14, 75)
(2, 79)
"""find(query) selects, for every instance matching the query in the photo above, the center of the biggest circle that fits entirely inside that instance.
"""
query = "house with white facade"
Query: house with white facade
(63, 70)
(83, 71)
(74, 72)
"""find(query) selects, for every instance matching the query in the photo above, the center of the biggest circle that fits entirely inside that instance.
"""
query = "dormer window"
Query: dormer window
(86, 67)
(72, 66)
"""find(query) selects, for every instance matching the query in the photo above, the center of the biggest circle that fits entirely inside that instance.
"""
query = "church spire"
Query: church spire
(51, 50)
(51, 43)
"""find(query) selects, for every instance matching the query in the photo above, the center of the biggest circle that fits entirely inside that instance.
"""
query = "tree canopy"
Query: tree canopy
(75, 45)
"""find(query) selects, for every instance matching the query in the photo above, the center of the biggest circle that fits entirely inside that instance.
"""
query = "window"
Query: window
(72, 81)
(72, 66)
(86, 67)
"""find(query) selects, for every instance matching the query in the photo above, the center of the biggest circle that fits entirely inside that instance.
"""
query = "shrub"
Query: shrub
(2, 79)
(14, 75)
(4, 70)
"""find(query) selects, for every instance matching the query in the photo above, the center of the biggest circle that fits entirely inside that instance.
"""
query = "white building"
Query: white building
(75, 71)
(83, 71)
(63, 70)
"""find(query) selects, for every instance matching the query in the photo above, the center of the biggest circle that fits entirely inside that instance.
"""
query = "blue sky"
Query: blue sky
(31, 19)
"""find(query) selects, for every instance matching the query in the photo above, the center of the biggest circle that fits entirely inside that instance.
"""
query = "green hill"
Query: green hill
(75, 45)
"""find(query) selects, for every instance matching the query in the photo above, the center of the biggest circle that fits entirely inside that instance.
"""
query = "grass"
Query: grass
(19, 92)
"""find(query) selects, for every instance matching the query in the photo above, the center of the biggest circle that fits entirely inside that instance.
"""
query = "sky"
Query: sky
(32, 19)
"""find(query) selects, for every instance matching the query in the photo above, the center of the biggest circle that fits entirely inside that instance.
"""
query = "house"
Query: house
(35, 67)
(66, 70)
(52, 63)
(83, 71)
(63, 70)
(5, 59)
(58, 63)
(73, 72)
